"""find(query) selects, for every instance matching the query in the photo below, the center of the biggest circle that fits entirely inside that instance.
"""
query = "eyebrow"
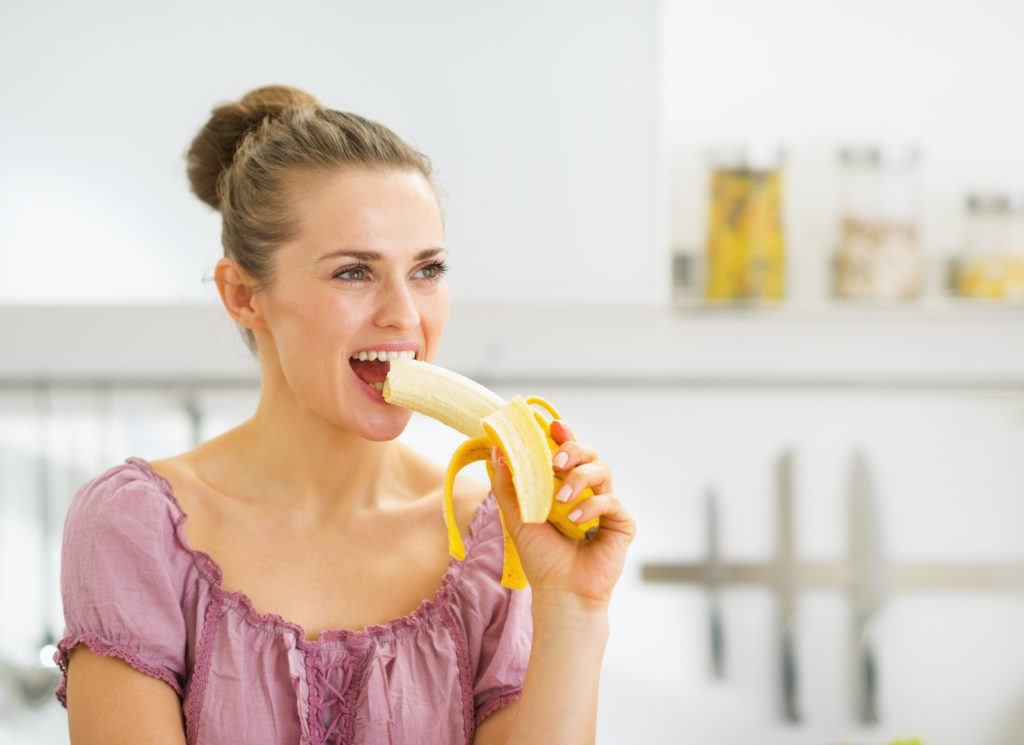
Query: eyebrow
(368, 256)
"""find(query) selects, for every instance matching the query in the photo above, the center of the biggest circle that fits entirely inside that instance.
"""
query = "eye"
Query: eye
(433, 270)
(357, 273)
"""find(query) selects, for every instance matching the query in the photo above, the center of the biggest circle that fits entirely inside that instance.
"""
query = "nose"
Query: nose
(397, 307)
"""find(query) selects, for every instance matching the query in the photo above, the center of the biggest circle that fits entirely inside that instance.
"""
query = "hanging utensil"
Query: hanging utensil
(869, 586)
(787, 586)
(715, 579)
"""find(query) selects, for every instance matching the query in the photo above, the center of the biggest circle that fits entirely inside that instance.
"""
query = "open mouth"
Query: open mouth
(371, 366)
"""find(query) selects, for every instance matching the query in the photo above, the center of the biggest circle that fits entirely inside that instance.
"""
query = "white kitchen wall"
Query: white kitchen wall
(539, 118)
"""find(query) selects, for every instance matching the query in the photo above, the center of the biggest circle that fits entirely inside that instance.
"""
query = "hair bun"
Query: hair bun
(214, 147)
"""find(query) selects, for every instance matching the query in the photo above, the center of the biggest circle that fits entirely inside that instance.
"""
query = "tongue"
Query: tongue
(371, 371)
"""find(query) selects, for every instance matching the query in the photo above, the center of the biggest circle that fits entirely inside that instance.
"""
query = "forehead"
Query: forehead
(363, 205)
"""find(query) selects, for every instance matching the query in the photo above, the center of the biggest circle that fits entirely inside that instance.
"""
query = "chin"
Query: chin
(389, 429)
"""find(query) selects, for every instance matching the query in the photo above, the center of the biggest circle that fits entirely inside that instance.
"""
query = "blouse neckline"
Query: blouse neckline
(273, 622)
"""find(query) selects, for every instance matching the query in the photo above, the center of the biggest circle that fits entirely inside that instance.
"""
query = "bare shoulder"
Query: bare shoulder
(173, 468)
(181, 472)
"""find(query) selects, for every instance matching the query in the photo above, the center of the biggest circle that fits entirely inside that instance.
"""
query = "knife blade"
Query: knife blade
(787, 585)
(869, 585)
(715, 577)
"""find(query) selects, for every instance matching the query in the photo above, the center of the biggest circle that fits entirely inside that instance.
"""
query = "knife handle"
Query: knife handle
(869, 678)
(717, 631)
(790, 678)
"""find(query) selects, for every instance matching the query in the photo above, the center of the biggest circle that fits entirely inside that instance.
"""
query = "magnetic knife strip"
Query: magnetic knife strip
(866, 575)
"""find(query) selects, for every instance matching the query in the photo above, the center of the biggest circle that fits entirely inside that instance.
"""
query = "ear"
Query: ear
(236, 292)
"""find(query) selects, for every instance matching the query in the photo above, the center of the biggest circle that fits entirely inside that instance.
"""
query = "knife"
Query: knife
(869, 586)
(715, 572)
(787, 587)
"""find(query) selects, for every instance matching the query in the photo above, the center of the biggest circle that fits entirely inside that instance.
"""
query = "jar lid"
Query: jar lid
(885, 155)
(755, 156)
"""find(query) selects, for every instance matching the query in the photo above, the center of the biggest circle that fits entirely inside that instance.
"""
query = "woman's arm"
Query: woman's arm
(111, 703)
(571, 583)
(559, 699)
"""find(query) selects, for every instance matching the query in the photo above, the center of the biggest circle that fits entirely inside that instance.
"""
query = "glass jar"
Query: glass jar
(992, 264)
(745, 238)
(879, 253)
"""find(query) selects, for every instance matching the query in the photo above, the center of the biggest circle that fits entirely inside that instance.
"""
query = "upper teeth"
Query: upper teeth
(381, 354)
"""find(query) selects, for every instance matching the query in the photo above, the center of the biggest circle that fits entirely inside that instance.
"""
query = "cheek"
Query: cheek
(433, 318)
(440, 305)
(327, 316)
(306, 329)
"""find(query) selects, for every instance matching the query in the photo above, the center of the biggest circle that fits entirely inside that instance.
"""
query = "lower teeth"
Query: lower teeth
(379, 387)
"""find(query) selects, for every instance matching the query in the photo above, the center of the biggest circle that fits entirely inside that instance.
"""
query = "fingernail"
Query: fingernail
(575, 515)
(564, 493)
(561, 458)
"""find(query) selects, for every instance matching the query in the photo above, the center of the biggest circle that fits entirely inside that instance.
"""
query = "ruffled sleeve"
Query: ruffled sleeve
(497, 620)
(122, 575)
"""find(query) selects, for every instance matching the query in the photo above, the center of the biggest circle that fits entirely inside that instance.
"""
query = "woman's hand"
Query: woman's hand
(558, 566)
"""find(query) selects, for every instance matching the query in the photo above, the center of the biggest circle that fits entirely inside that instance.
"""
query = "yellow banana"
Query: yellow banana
(487, 420)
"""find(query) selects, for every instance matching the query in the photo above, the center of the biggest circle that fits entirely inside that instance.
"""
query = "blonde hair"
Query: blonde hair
(241, 160)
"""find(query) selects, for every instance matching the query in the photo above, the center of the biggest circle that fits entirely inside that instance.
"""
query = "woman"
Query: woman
(289, 581)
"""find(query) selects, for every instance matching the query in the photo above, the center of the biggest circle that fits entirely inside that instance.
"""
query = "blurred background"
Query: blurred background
(768, 256)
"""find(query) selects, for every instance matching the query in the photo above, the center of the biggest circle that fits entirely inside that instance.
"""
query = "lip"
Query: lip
(369, 390)
(390, 346)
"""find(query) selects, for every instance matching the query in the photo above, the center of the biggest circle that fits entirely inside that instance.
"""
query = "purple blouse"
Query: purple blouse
(134, 588)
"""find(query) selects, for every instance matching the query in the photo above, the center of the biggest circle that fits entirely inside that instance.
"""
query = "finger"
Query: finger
(596, 475)
(571, 454)
(561, 432)
(613, 515)
(504, 489)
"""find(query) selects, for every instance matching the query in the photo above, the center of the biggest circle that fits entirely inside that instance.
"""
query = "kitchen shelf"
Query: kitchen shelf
(925, 306)
(940, 346)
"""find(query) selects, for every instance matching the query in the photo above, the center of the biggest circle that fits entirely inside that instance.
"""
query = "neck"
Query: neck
(296, 460)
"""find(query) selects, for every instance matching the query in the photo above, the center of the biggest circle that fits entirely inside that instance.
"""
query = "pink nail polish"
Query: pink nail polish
(575, 515)
(561, 458)
(564, 493)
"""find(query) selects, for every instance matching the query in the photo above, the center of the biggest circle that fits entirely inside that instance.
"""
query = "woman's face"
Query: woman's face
(364, 276)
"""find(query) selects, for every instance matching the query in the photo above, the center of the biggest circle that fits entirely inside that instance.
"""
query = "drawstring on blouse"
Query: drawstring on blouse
(330, 711)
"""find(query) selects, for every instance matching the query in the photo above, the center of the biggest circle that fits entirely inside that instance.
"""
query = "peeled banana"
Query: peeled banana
(516, 426)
